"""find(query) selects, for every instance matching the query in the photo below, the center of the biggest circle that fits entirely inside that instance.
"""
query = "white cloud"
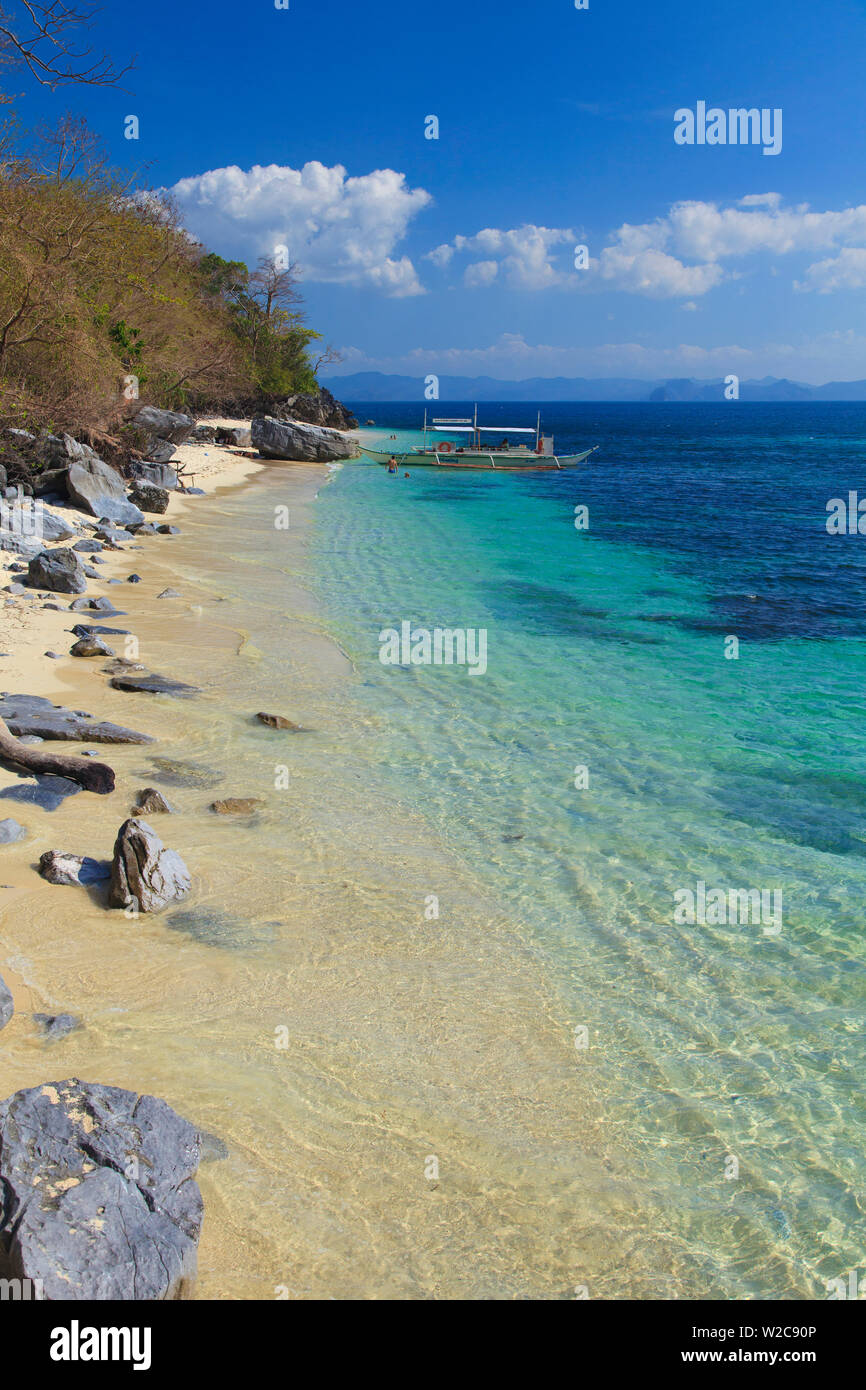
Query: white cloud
(757, 200)
(524, 255)
(681, 253)
(656, 274)
(847, 271)
(480, 273)
(679, 256)
(341, 230)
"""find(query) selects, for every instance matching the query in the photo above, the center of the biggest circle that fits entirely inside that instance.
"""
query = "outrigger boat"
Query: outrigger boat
(447, 453)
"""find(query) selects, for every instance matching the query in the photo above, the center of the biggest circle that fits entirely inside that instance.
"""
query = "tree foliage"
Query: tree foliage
(97, 283)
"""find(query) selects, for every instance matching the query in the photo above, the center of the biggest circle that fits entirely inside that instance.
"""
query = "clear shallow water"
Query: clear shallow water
(606, 648)
(407, 1039)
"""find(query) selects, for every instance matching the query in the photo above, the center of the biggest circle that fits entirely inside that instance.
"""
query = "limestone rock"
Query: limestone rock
(100, 490)
(149, 498)
(99, 1199)
(60, 571)
(279, 439)
(144, 871)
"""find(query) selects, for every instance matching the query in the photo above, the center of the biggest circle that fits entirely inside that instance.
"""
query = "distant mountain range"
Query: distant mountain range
(368, 387)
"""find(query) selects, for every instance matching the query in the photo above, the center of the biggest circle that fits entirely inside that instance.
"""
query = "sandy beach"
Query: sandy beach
(297, 1008)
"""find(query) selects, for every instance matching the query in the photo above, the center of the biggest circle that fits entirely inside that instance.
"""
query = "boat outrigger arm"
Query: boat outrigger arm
(449, 454)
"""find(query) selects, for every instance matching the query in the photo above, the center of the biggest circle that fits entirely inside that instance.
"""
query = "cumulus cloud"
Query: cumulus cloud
(681, 255)
(847, 271)
(521, 258)
(340, 230)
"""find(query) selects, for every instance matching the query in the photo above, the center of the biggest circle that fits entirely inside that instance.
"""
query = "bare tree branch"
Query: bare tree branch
(41, 37)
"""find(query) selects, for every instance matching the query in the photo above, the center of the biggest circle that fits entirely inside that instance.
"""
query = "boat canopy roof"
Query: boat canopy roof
(482, 429)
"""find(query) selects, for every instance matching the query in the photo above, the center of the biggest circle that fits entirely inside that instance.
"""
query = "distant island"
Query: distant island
(361, 387)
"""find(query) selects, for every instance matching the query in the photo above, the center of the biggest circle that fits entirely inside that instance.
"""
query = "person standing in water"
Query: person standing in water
(392, 464)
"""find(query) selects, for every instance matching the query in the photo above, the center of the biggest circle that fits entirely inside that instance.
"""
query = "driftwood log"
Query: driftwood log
(92, 776)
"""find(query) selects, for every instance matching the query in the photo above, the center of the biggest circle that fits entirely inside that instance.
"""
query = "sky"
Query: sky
(306, 127)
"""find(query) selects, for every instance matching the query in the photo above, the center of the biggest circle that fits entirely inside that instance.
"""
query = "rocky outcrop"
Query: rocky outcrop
(280, 439)
(7, 1008)
(144, 872)
(98, 1198)
(100, 490)
(322, 409)
(60, 571)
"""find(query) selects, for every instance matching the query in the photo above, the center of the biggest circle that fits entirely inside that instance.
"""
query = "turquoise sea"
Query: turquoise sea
(727, 1059)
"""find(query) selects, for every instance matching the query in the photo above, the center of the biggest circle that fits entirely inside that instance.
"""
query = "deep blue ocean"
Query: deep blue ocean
(621, 749)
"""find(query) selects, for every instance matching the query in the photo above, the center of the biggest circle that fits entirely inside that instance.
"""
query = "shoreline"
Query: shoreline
(402, 1041)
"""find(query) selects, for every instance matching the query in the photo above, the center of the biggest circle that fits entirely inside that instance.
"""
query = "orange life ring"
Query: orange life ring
(445, 448)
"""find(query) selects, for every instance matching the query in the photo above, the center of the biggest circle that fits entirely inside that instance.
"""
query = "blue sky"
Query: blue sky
(556, 128)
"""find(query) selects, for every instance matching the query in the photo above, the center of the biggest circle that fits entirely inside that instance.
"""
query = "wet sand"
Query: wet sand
(400, 1099)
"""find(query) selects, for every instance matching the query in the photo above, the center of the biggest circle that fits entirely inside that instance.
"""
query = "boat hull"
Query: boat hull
(479, 461)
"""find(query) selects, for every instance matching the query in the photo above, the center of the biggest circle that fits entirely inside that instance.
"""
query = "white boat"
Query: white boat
(503, 458)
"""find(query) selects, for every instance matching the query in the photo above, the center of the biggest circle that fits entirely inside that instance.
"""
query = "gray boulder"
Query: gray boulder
(57, 452)
(100, 490)
(51, 480)
(60, 571)
(165, 424)
(282, 439)
(54, 528)
(99, 1199)
(164, 430)
(239, 436)
(16, 544)
(144, 872)
(157, 474)
(7, 1008)
(149, 498)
